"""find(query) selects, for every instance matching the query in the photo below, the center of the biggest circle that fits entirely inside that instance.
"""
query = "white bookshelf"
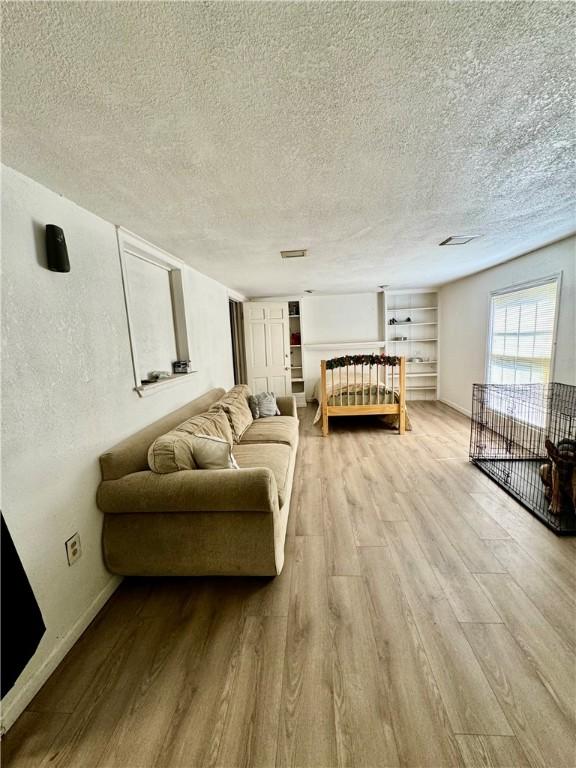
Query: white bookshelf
(296, 352)
(414, 335)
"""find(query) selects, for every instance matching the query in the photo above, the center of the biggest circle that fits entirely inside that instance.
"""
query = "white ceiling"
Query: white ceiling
(366, 132)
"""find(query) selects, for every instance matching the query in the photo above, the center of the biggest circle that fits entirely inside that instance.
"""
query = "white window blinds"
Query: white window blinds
(522, 323)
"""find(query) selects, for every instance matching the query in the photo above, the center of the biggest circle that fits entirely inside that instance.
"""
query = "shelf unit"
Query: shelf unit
(352, 345)
(421, 332)
(296, 350)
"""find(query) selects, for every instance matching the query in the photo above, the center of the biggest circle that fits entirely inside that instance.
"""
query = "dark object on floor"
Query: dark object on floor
(524, 438)
(562, 475)
(22, 623)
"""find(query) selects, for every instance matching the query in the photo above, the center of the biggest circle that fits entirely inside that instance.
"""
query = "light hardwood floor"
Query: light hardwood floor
(423, 619)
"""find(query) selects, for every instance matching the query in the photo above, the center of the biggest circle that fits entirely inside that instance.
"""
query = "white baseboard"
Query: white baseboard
(458, 408)
(13, 711)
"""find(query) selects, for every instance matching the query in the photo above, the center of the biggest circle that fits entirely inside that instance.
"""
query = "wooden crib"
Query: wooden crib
(363, 385)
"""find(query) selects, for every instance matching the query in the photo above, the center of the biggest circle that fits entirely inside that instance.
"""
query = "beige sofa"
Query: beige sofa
(197, 521)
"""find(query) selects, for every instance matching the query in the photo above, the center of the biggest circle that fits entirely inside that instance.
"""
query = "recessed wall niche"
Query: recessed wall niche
(154, 296)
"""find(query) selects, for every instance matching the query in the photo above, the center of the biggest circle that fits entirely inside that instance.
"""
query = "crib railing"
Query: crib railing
(363, 385)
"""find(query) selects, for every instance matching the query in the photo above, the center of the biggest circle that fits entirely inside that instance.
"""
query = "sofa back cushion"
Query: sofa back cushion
(131, 455)
(212, 423)
(175, 450)
(235, 405)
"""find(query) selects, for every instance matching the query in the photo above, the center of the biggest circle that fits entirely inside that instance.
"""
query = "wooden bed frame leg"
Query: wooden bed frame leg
(402, 419)
(402, 424)
(324, 400)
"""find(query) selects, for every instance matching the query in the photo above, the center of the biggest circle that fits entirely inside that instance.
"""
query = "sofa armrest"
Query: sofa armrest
(287, 405)
(193, 490)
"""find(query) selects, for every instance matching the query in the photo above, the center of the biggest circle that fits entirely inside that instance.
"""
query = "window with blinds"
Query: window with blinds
(521, 342)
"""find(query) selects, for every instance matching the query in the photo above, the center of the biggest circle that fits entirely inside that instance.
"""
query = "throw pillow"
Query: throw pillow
(176, 451)
(263, 405)
(213, 453)
(171, 453)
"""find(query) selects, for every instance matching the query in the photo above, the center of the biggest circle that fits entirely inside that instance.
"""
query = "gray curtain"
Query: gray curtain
(238, 345)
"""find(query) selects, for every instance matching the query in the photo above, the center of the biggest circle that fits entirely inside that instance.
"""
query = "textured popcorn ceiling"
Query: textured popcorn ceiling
(364, 132)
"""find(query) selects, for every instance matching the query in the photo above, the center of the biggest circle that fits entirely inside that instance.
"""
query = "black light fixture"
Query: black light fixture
(56, 250)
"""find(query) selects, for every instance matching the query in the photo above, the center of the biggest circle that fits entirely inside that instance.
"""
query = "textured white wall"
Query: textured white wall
(348, 317)
(464, 314)
(333, 319)
(67, 396)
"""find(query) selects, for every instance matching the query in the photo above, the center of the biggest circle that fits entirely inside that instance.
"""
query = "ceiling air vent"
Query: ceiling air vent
(293, 254)
(458, 239)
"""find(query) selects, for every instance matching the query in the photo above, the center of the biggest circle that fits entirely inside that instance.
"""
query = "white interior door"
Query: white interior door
(267, 331)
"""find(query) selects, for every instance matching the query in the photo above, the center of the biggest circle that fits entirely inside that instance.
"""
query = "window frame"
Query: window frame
(555, 277)
(130, 244)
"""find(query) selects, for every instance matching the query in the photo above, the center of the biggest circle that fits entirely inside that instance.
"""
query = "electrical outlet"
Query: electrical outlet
(73, 549)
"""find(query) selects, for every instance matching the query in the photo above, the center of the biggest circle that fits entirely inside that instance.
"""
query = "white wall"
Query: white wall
(464, 315)
(68, 395)
(337, 318)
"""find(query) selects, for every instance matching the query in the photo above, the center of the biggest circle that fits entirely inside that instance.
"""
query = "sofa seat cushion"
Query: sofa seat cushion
(273, 456)
(272, 429)
(235, 405)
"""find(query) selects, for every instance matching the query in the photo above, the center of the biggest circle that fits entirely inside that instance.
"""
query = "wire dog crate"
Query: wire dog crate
(524, 438)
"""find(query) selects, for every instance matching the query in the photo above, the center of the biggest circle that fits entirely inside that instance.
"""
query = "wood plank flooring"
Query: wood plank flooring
(423, 619)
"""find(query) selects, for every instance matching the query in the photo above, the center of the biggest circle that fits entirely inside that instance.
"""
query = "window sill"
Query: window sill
(151, 389)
